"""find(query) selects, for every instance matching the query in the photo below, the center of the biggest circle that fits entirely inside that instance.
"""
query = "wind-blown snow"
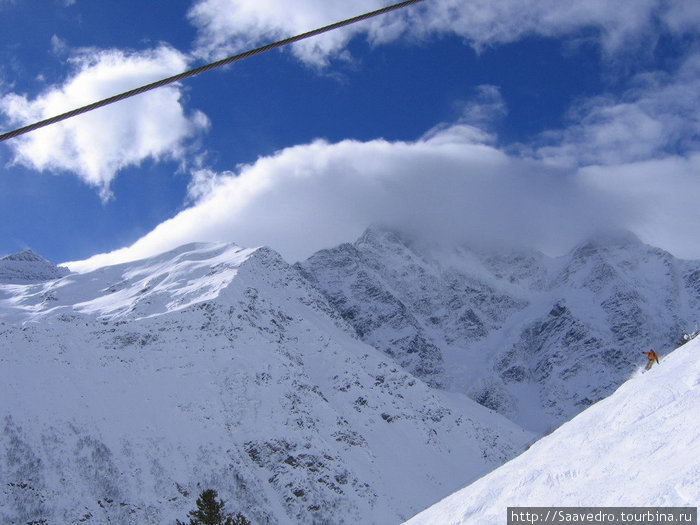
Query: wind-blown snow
(638, 447)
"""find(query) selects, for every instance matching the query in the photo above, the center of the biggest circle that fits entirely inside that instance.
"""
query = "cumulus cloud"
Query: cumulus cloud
(96, 145)
(227, 26)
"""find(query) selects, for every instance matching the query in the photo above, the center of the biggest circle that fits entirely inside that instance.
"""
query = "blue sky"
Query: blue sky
(532, 121)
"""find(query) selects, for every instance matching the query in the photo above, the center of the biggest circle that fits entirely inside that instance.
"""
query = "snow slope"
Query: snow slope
(638, 447)
(129, 389)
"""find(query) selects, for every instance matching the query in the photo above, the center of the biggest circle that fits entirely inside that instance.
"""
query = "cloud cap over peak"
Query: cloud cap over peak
(448, 186)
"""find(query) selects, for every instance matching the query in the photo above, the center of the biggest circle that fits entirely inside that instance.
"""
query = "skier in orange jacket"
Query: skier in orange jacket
(651, 356)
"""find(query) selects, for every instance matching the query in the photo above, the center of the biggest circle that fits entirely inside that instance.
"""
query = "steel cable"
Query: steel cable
(202, 69)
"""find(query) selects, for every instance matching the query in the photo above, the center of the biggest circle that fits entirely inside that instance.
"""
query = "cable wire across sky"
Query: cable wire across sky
(201, 69)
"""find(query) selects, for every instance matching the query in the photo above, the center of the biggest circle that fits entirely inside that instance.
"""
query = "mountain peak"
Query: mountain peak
(603, 240)
(379, 235)
(26, 255)
(27, 267)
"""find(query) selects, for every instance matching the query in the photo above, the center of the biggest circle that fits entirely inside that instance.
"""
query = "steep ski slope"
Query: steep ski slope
(638, 447)
(128, 390)
(534, 337)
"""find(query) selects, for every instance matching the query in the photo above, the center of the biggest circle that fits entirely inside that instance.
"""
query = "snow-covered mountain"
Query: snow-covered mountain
(536, 338)
(361, 385)
(640, 447)
(28, 267)
(129, 389)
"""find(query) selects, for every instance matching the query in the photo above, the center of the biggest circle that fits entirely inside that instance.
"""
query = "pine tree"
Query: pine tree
(211, 512)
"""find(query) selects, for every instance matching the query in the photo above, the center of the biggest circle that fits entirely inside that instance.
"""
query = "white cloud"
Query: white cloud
(485, 22)
(660, 198)
(632, 162)
(59, 46)
(486, 107)
(661, 114)
(682, 16)
(228, 26)
(98, 144)
(317, 195)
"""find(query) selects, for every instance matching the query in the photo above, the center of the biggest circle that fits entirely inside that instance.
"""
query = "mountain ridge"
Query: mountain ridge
(135, 393)
(530, 315)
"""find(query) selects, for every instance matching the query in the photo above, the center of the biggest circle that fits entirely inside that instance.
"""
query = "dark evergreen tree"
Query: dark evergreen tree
(211, 512)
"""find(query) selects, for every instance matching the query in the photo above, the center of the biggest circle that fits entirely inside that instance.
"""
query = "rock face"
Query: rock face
(533, 337)
(128, 390)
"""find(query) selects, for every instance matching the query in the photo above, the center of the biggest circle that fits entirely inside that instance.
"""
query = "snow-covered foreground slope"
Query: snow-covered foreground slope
(128, 390)
(638, 447)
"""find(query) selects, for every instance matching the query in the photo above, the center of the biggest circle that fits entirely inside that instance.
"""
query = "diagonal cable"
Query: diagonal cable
(202, 69)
